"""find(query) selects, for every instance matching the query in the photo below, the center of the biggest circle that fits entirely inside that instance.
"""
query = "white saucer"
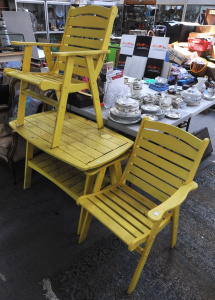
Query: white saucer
(173, 115)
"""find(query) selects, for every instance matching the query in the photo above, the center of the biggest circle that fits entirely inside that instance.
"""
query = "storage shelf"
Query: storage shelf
(68, 178)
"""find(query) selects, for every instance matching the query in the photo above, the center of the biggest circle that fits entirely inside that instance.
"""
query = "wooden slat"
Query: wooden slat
(40, 97)
(88, 21)
(115, 215)
(83, 42)
(72, 193)
(41, 157)
(66, 48)
(118, 230)
(78, 187)
(138, 219)
(132, 202)
(102, 11)
(85, 32)
(104, 134)
(70, 149)
(63, 173)
(43, 144)
(166, 154)
(36, 135)
(69, 130)
(157, 171)
(152, 180)
(183, 135)
(73, 180)
(147, 187)
(138, 197)
(162, 163)
(49, 161)
(170, 142)
(79, 143)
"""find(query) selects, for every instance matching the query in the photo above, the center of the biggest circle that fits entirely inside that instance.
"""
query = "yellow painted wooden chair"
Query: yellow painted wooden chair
(163, 163)
(81, 52)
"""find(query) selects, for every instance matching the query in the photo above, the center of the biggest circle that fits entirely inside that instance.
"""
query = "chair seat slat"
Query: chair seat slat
(129, 215)
(138, 197)
(131, 210)
(115, 216)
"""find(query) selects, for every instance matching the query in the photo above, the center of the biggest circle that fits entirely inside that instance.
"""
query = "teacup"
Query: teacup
(210, 92)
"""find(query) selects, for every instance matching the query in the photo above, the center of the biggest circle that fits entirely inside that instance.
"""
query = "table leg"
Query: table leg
(89, 188)
(115, 172)
(28, 170)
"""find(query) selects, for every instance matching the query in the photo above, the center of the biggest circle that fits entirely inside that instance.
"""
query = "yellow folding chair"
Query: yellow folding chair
(163, 163)
(81, 53)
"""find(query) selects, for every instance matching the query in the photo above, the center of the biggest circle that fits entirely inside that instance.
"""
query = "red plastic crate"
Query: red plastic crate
(199, 44)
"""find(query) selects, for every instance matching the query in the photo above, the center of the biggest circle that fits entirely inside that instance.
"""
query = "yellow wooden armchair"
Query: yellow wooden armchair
(81, 52)
(163, 163)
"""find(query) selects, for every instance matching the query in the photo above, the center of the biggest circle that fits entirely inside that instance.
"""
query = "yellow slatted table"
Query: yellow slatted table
(83, 151)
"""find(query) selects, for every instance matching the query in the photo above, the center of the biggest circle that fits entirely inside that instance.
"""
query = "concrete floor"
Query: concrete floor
(38, 228)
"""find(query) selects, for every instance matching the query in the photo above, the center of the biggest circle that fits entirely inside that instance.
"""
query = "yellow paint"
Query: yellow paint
(84, 58)
(130, 215)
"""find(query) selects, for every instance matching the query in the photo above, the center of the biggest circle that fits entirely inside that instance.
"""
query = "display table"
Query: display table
(186, 114)
(84, 151)
(11, 56)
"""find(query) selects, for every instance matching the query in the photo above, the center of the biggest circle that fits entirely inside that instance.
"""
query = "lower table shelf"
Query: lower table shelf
(67, 177)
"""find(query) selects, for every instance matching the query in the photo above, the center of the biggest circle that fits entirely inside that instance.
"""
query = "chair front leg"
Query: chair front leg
(143, 257)
(94, 91)
(175, 218)
(85, 227)
(21, 104)
(63, 100)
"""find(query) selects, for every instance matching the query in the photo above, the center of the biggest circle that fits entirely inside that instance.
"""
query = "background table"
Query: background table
(186, 113)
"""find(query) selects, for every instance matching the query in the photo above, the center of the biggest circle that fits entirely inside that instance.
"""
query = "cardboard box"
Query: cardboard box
(205, 28)
(107, 67)
(138, 32)
(178, 54)
(210, 71)
(201, 35)
(175, 56)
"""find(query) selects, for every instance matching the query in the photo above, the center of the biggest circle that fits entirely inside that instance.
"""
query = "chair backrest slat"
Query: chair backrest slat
(163, 159)
(166, 154)
(87, 28)
(161, 162)
(158, 172)
(170, 142)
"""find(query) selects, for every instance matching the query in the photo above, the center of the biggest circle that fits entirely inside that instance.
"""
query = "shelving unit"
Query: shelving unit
(38, 15)
(56, 14)
(137, 17)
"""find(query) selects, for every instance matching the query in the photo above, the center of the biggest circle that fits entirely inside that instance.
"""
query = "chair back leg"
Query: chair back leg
(175, 219)
(21, 104)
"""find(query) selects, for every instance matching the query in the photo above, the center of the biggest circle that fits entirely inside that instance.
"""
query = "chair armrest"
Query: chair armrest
(175, 200)
(82, 53)
(35, 44)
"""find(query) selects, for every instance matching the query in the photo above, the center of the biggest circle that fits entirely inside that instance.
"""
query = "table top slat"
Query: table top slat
(84, 150)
